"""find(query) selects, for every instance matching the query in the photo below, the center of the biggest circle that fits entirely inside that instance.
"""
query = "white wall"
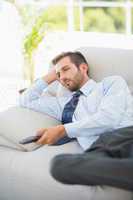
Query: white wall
(11, 59)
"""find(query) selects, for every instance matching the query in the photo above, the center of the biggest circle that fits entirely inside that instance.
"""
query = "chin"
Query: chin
(69, 88)
(73, 89)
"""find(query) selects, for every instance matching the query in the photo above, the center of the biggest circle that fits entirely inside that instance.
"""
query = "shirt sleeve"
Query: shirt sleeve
(109, 113)
(33, 99)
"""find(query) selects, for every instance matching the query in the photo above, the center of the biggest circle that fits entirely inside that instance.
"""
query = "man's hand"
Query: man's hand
(51, 135)
(51, 76)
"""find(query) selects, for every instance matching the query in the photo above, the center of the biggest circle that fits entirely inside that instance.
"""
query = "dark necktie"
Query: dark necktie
(67, 115)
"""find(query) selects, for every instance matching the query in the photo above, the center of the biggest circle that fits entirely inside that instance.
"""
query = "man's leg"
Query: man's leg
(93, 169)
(109, 161)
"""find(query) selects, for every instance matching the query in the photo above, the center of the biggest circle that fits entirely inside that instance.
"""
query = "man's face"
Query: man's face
(69, 75)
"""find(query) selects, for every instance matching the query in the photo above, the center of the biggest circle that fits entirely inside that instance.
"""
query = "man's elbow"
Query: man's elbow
(112, 119)
(115, 119)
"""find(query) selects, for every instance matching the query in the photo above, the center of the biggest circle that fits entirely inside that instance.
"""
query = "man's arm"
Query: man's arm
(50, 77)
(35, 91)
(33, 99)
(109, 114)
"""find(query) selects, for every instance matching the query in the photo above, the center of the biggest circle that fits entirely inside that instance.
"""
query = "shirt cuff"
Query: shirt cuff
(70, 130)
(41, 84)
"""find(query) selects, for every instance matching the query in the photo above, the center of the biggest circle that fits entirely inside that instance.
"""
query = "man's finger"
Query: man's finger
(42, 140)
(40, 131)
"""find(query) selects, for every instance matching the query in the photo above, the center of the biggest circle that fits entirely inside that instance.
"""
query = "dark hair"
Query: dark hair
(76, 57)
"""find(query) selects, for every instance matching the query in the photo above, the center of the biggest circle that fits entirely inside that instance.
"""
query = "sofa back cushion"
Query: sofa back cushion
(105, 61)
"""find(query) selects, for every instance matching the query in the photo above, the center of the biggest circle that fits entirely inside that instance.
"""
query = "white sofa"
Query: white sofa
(25, 175)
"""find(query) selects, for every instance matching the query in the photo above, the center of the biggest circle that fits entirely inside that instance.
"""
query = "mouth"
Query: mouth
(67, 83)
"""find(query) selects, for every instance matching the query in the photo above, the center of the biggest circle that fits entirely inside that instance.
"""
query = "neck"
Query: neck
(85, 81)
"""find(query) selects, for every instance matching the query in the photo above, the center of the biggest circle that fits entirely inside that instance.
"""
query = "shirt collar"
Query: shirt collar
(88, 87)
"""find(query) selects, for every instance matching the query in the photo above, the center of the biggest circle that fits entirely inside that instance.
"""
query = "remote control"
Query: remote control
(29, 139)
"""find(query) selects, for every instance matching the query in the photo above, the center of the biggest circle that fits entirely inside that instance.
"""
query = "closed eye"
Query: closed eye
(65, 69)
(58, 74)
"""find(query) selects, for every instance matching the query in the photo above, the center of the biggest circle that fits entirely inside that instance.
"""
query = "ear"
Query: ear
(83, 67)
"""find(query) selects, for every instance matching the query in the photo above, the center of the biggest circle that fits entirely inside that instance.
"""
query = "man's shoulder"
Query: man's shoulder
(113, 79)
(116, 82)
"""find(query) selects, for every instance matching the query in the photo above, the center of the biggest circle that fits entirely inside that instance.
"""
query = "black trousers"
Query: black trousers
(109, 161)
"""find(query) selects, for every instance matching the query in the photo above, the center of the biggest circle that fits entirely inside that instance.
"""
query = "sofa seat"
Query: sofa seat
(25, 176)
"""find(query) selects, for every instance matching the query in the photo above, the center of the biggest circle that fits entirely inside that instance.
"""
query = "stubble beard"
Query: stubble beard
(76, 82)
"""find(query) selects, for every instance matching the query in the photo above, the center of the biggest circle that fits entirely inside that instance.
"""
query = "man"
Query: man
(100, 107)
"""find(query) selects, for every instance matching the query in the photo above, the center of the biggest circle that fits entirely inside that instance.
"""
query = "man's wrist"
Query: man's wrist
(62, 130)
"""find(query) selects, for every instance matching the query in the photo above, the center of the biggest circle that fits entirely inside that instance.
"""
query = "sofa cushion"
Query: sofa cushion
(18, 123)
(28, 177)
(104, 61)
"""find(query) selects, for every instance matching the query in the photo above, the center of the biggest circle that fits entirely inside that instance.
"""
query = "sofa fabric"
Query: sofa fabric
(25, 176)
(18, 123)
(109, 61)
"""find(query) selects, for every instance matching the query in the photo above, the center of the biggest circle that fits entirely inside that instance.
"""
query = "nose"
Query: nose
(62, 77)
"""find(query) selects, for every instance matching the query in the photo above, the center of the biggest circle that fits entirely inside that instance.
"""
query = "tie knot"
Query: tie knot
(78, 93)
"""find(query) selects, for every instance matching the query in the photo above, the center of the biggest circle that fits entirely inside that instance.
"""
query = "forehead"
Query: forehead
(64, 62)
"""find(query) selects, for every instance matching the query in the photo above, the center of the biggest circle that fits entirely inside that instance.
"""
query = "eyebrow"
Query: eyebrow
(65, 66)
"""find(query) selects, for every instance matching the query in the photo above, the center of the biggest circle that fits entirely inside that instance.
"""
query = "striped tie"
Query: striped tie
(67, 115)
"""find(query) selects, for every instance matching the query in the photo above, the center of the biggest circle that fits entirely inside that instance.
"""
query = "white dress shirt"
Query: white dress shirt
(104, 106)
